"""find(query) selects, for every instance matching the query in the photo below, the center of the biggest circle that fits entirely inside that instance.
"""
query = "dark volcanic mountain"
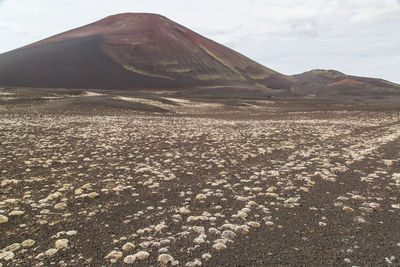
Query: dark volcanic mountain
(150, 52)
(135, 51)
(334, 84)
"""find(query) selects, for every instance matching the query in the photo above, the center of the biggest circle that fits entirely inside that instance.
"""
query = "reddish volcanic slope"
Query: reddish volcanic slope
(135, 51)
(331, 83)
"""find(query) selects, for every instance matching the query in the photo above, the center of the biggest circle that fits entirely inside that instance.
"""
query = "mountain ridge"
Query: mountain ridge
(156, 52)
(146, 51)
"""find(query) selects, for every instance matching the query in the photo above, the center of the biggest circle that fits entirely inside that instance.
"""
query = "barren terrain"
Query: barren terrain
(99, 179)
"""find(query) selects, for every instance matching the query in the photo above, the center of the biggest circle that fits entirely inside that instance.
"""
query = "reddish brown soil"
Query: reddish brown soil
(347, 82)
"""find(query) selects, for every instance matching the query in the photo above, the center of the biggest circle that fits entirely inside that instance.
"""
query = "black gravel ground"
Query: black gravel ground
(209, 182)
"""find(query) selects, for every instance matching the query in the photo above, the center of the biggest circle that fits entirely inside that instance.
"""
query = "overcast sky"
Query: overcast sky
(358, 37)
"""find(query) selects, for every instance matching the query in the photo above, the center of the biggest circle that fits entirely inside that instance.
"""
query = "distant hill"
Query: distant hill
(334, 84)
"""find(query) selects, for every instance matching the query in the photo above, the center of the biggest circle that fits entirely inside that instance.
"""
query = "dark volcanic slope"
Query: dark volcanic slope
(331, 83)
(72, 63)
(134, 51)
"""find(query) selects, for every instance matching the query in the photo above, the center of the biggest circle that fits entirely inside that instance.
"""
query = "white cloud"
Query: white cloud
(358, 37)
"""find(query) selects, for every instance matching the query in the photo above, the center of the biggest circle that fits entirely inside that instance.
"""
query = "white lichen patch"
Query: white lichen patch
(114, 256)
(60, 206)
(130, 259)
(160, 227)
(184, 210)
(164, 259)
(254, 224)
(61, 244)
(93, 195)
(269, 223)
(129, 246)
(219, 246)
(16, 213)
(7, 255)
(28, 243)
(348, 209)
(141, 255)
(3, 219)
(50, 252)
(201, 196)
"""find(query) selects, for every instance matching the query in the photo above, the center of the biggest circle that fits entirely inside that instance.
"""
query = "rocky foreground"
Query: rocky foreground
(261, 183)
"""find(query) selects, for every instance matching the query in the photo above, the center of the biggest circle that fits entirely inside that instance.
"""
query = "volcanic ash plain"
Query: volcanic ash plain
(187, 182)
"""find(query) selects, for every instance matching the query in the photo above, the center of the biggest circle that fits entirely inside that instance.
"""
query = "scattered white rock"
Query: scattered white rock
(374, 205)
(228, 234)
(206, 256)
(201, 197)
(242, 229)
(358, 197)
(164, 259)
(13, 247)
(144, 244)
(219, 246)
(6, 255)
(16, 213)
(130, 259)
(50, 252)
(114, 256)
(215, 231)
(160, 227)
(184, 210)
(198, 229)
(93, 195)
(60, 206)
(78, 191)
(254, 224)
(396, 206)
(243, 215)
(304, 189)
(348, 209)
(199, 240)
(71, 233)
(194, 263)
(3, 219)
(40, 256)
(28, 243)
(128, 247)
(141, 255)
(272, 189)
(359, 219)
(61, 244)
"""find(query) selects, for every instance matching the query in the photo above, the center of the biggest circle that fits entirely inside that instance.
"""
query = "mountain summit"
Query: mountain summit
(135, 51)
